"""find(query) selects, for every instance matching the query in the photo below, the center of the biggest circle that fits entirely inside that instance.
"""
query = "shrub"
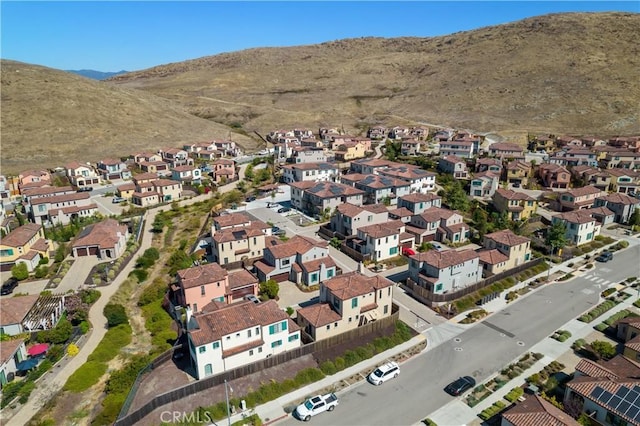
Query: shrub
(339, 363)
(72, 350)
(84, 327)
(579, 343)
(608, 292)
(115, 314)
(20, 271)
(429, 422)
(140, 274)
(514, 394)
(153, 293)
(328, 368)
(89, 296)
(601, 327)
(41, 272)
(86, 376)
(270, 289)
(290, 310)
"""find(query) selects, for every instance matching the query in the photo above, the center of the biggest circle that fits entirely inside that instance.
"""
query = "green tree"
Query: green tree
(634, 219)
(335, 242)
(480, 221)
(248, 172)
(20, 271)
(556, 236)
(270, 289)
(456, 198)
(115, 314)
(604, 349)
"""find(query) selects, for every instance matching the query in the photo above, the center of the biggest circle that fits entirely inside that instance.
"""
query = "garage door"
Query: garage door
(6, 266)
(239, 293)
(81, 251)
(280, 277)
(406, 244)
(93, 251)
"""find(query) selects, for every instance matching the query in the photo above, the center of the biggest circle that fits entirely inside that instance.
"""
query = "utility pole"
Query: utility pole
(226, 394)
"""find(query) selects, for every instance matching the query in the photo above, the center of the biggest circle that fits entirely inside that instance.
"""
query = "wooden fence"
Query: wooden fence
(245, 370)
(431, 299)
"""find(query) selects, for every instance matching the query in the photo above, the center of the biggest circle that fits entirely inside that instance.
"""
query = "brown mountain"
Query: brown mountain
(576, 73)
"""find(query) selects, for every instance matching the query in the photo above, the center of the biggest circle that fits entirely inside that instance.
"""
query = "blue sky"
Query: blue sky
(111, 36)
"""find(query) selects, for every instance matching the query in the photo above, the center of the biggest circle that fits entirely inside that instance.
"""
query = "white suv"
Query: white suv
(383, 373)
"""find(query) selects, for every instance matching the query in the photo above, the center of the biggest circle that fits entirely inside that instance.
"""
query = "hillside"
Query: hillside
(563, 73)
(50, 117)
(573, 73)
(96, 75)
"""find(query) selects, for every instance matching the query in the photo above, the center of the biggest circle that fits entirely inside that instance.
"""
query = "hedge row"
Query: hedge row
(562, 335)
(597, 311)
(514, 394)
(497, 407)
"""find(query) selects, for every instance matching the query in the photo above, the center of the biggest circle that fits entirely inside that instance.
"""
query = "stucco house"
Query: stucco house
(106, 240)
(81, 175)
(438, 224)
(310, 172)
(484, 184)
(624, 181)
(518, 205)
(232, 245)
(224, 170)
(187, 174)
(581, 226)
(517, 173)
(578, 198)
(535, 410)
(347, 302)
(382, 241)
(224, 337)
(113, 169)
(309, 154)
(458, 148)
(26, 244)
(371, 166)
(421, 180)
(60, 208)
(487, 164)
(554, 175)
(453, 165)
(12, 352)
(443, 271)
(382, 189)
(506, 150)
(301, 260)
(621, 205)
(316, 198)
(350, 150)
(418, 202)
(348, 218)
(515, 248)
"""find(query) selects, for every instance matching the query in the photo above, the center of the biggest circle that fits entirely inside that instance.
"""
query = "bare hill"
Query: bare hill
(50, 117)
(564, 73)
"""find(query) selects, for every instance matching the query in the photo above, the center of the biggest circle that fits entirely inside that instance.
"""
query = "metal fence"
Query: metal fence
(125, 419)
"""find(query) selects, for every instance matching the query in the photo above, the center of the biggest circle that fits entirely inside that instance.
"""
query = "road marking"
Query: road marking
(587, 291)
(457, 349)
(520, 343)
(498, 329)
(457, 340)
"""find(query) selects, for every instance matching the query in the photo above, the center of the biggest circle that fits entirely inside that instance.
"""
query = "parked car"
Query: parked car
(252, 298)
(271, 205)
(383, 373)
(284, 209)
(85, 189)
(316, 405)
(408, 251)
(280, 232)
(605, 256)
(459, 386)
(9, 286)
(250, 199)
(116, 200)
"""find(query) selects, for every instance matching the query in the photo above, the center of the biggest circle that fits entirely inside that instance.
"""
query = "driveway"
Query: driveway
(291, 296)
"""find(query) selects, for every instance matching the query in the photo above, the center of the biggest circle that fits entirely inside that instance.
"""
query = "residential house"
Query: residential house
(310, 172)
(383, 189)
(301, 260)
(348, 218)
(9, 187)
(82, 175)
(147, 157)
(624, 181)
(224, 171)
(621, 205)
(347, 302)
(31, 178)
(587, 175)
(628, 331)
(458, 148)
(410, 146)
(224, 337)
(46, 191)
(401, 213)
(26, 244)
(578, 198)
(150, 193)
(187, 174)
(421, 180)
(311, 143)
(377, 132)
(227, 148)
(112, 169)
(106, 240)
(567, 141)
(445, 271)
(318, 198)
(581, 227)
(126, 190)
(453, 165)
(159, 168)
(570, 157)
(371, 166)
(518, 205)
(30, 313)
(487, 164)
(234, 221)
(542, 143)
(602, 215)
(438, 224)
(517, 173)
(621, 160)
(506, 151)
(195, 148)
(12, 352)
(535, 410)
(382, 241)
(516, 248)
(420, 133)
(443, 135)
(484, 184)
(632, 143)
(398, 132)
(233, 245)
(176, 157)
(274, 135)
(60, 208)
(418, 202)
(305, 154)
(554, 175)
(351, 150)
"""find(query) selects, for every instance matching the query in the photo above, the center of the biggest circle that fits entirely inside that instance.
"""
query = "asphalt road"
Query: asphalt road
(480, 351)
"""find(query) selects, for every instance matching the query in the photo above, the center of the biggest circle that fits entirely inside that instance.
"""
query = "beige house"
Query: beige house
(504, 250)
(350, 150)
(235, 242)
(346, 302)
(23, 244)
(518, 205)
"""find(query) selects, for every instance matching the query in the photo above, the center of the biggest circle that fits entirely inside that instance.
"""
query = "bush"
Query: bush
(514, 394)
(492, 411)
(84, 327)
(72, 350)
(429, 422)
(270, 289)
(89, 296)
(41, 272)
(20, 271)
(601, 327)
(328, 368)
(86, 376)
(153, 293)
(115, 314)
(579, 343)
(140, 274)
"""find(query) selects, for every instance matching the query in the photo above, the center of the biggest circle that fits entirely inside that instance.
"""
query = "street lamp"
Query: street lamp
(226, 394)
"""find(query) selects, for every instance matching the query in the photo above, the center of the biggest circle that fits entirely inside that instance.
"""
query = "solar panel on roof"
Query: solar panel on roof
(637, 389)
(623, 391)
(597, 392)
(605, 397)
(633, 411)
(614, 402)
(623, 407)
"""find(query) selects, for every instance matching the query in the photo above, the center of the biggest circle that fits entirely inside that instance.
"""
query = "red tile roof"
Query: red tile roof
(418, 197)
(241, 278)
(319, 314)
(492, 257)
(296, 245)
(444, 259)
(513, 195)
(103, 234)
(21, 235)
(507, 238)
(14, 309)
(201, 275)
(9, 348)
(535, 411)
(354, 284)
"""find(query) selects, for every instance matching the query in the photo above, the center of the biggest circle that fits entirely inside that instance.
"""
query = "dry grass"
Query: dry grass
(574, 73)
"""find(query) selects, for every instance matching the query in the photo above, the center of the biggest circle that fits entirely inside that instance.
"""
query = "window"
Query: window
(260, 350)
(389, 291)
(393, 250)
(439, 287)
(314, 277)
(329, 273)
(294, 337)
(237, 334)
(354, 302)
(195, 307)
(216, 345)
(257, 331)
(386, 309)
(284, 262)
(251, 352)
(350, 319)
(328, 326)
(276, 343)
(248, 333)
(202, 291)
(202, 349)
(277, 328)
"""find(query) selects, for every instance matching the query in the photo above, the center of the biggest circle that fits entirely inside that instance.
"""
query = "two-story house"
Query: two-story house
(438, 224)
(224, 170)
(81, 175)
(421, 180)
(410, 146)
(112, 169)
(578, 198)
(176, 157)
(581, 226)
(418, 202)
(310, 172)
(159, 168)
(381, 241)
(348, 218)
(316, 198)
(457, 148)
(152, 192)
(301, 260)
(233, 245)
(105, 240)
(487, 164)
(570, 157)
(309, 154)
(624, 181)
(60, 208)
(621, 205)
(518, 205)
(453, 165)
(484, 184)
(351, 150)
(146, 157)
(26, 244)
(621, 160)
(506, 151)
(33, 178)
(383, 189)
(224, 337)
(517, 173)
(554, 175)
(587, 175)
(440, 272)
(371, 166)
(347, 302)
(503, 250)
(187, 174)
(377, 132)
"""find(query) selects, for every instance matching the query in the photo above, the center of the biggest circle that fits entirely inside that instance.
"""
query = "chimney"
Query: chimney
(360, 267)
